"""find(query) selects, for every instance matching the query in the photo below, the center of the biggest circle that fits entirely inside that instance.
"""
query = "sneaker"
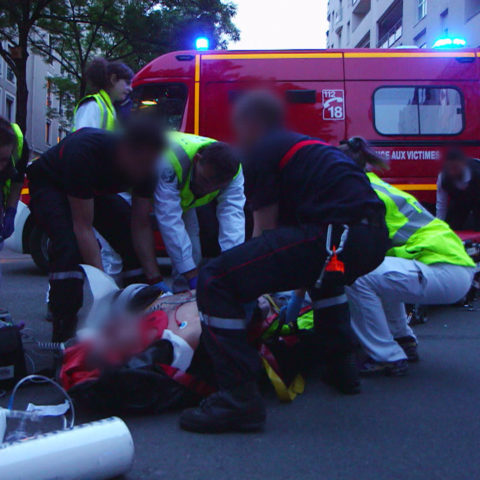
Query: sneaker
(391, 369)
(410, 347)
(341, 372)
(239, 410)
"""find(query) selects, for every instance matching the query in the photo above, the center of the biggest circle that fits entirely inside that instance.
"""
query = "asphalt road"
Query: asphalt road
(424, 426)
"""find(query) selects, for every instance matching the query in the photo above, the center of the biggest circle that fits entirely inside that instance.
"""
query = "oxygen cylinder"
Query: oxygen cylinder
(93, 451)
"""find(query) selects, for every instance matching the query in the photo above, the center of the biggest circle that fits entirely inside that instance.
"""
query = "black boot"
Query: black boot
(240, 410)
(341, 371)
(410, 347)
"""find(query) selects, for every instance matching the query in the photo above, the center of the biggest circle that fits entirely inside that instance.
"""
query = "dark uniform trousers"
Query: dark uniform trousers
(286, 258)
(51, 210)
(464, 213)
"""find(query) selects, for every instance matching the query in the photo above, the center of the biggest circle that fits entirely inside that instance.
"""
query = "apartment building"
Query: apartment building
(396, 23)
(42, 131)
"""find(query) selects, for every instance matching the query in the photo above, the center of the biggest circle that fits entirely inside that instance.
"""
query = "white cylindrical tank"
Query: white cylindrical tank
(93, 451)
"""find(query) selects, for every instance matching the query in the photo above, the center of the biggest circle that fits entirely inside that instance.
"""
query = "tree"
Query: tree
(17, 21)
(72, 32)
(131, 31)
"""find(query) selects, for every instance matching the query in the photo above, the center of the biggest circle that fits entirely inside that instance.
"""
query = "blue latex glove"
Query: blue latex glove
(292, 310)
(163, 287)
(8, 226)
(192, 283)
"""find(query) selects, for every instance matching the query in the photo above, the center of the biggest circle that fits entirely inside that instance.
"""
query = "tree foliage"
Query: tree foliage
(17, 21)
(73, 32)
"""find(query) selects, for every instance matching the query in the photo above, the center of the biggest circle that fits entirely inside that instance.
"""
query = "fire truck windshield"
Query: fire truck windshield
(169, 98)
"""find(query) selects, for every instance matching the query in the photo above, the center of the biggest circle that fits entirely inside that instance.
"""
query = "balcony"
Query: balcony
(361, 7)
(392, 36)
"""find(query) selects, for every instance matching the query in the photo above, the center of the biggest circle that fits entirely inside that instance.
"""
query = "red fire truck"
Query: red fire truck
(410, 103)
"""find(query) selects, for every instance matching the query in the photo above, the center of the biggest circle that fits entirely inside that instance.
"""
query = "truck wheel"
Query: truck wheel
(38, 246)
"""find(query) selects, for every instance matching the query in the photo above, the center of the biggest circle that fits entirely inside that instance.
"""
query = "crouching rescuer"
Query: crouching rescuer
(73, 189)
(318, 224)
(196, 171)
(426, 265)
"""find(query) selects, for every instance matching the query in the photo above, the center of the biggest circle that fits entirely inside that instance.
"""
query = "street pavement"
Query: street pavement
(424, 426)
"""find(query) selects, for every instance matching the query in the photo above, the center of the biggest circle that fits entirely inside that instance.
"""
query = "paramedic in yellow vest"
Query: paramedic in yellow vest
(427, 264)
(112, 82)
(194, 172)
(14, 154)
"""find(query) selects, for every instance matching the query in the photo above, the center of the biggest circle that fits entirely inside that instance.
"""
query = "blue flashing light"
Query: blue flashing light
(202, 43)
(450, 43)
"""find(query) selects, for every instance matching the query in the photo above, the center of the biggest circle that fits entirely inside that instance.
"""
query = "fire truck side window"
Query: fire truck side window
(418, 111)
(169, 98)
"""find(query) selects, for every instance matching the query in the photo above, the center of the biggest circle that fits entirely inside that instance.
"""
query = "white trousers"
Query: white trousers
(377, 300)
(190, 219)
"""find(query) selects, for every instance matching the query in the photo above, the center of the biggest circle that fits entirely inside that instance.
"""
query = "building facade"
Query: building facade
(42, 131)
(396, 23)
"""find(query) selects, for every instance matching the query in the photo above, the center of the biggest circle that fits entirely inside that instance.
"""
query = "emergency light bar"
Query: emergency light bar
(450, 43)
(202, 43)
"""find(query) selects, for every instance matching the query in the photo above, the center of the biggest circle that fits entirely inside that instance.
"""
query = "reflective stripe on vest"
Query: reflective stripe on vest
(7, 186)
(18, 133)
(414, 215)
(107, 110)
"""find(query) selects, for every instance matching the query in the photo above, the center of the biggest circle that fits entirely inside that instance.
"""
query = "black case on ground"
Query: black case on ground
(12, 358)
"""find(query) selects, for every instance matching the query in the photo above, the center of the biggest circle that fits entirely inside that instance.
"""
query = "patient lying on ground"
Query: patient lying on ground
(140, 349)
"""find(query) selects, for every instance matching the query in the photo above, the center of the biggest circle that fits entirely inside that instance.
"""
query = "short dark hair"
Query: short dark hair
(100, 70)
(144, 129)
(455, 154)
(262, 107)
(7, 135)
(223, 158)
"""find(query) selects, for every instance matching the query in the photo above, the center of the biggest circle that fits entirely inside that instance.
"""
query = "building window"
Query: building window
(48, 128)
(10, 75)
(9, 110)
(339, 13)
(390, 26)
(364, 42)
(418, 111)
(421, 39)
(60, 135)
(422, 9)
(472, 8)
(49, 93)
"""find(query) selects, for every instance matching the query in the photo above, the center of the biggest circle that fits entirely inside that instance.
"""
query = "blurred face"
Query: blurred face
(247, 132)
(6, 152)
(455, 168)
(120, 90)
(138, 164)
(205, 179)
